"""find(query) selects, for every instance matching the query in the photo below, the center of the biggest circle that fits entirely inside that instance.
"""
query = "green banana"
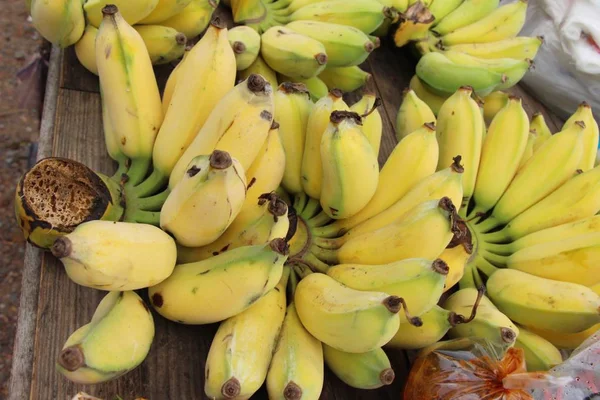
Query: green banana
(346, 79)
(540, 354)
(369, 370)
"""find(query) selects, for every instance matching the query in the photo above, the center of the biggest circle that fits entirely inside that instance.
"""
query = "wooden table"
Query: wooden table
(52, 306)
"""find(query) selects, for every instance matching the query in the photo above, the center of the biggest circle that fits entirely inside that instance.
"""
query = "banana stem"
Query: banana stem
(292, 283)
(327, 231)
(485, 266)
(487, 225)
(501, 249)
(300, 200)
(137, 171)
(315, 263)
(325, 255)
(151, 185)
(477, 278)
(312, 206)
(319, 220)
(323, 243)
(497, 237)
(153, 203)
(121, 169)
(467, 281)
(494, 258)
(144, 217)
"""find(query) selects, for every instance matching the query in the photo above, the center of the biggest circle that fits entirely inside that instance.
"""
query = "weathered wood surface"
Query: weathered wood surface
(52, 306)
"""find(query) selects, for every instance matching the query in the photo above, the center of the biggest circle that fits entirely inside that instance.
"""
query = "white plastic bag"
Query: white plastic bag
(567, 66)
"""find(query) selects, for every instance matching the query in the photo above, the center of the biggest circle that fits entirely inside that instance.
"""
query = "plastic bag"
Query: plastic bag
(567, 67)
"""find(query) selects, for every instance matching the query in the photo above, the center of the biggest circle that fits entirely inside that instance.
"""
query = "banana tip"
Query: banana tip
(293, 87)
(369, 46)
(339, 116)
(62, 247)
(277, 207)
(238, 47)
(446, 204)
(274, 125)
(220, 159)
(71, 358)
(508, 335)
(180, 38)
(337, 93)
(387, 376)
(218, 23)
(256, 83)
(110, 9)
(321, 58)
(292, 391)
(280, 246)
(440, 267)
(231, 388)
(393, 304)
(456, 165)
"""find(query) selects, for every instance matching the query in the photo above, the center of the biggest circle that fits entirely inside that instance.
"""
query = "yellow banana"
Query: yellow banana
(245, 43)
(164, 10)
(260, 67)
(540, 354)
(434, 101)
(140, 255)
(528, 152)
(172, 82)
(164, 44)
(61, 22)
(318, 121)
(344, 318)
(346, 79)
(194, 293)
(194, 18)
(111, 139)
(492, 104)
(239, 124)
(270, 223)
(518, 48)
(372, 125)
(132, 11)
(292, 110)
(440, 9)
(241, 351)
(544, 303)
(590, 135)
(465, 14)
(538, 124)
(315, 86)
(212, 190)
(350, 168)
(130, 90)
(85, 49)
(456, 258)
(296, 370)
(566, 340)
(412, 114)
(115, 341)
(369, 370)
(414, 24)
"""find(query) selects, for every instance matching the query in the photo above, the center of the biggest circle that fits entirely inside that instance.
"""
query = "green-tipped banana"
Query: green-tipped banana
(245, 43)
(518, 48)
(540, 354)
(346, 79)
(369, 370)
(164, 44)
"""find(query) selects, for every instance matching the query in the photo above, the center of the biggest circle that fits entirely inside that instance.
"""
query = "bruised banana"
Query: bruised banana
(85, 49)
(193, 19)
(115, 341)
(346, 79)
(590, 135)
(164, 44)
(212, 191)
(372, 124)
(271, 223)
(518, 48)
(245, 43)
(369, 370)
(165, 9)
(60, 22)
(412, 114)
(140, 255)
(241, 351)
(132, 11)
(193, 294)
(540, 354)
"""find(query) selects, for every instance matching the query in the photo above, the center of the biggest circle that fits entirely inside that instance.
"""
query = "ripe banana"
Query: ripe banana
(590, 135)
(543, 303)
(130, 90)
(528, 152)
(538, 124)
(194, 293)
(459, 132)
(115, 341)
(271, 222)
(420, 282)
(85, 49)
(434, 101)
(172, 82)
(61, 22)
(343, 318)
(292, 54)
(492, 104)
(164, 10)
(504, 22)
(292, 110)
(369, 370)
(466, 13)
(241, 351)
(140, 255)
(540, 354)
(456, 257)
(212, 191)
(568, 341)
(260, 67)
(111, 140)
(350, 168)
(315, 86)
(440, 9)
(345, 46)
(164, 44)
(132, 11)
(346, 79)
(518, 48)
(296, 370)
(412, 114)
(414, 24)
(194, 18)
(318, 121)
(372, 125)
(245, 43)
(239, 124)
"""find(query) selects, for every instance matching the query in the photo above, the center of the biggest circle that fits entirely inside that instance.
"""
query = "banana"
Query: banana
(538, 124)
(432, 100)
(384, 28)
(271, 223)
(343, 318)
(372, 126)
(443, 76)
(61, 22)
(296, 370)
(164, 10)
(459, 132)
(412, 114)
(140, 255)
(501, 154)
(248, 11)
(239, 124)
(566, 340)
(315, 86)
(260, 67)
(414, 24)
(492, 104)
(220, 287)
(366, 15)
(114, 342)
(528, 152)
(369, 370)
(456, 257)
(318, 121)
(540, 354)
(346, 79)
(590, 135)
(504, 22)
(172, 82)
(133, 11)
(241, 351)
(466, 13)
(213, 191)
(208, 72)
(350, 168)
(56, 195)
(489, 322)
(193, 19)
(440, 9)
(245, 43)
(164, 44)
(111, 140)
(518, 48)
(345, 46)
(292, 54)
(129, 88)
(292, 110)
(85, 49)
(420, 282)
(543, 303)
